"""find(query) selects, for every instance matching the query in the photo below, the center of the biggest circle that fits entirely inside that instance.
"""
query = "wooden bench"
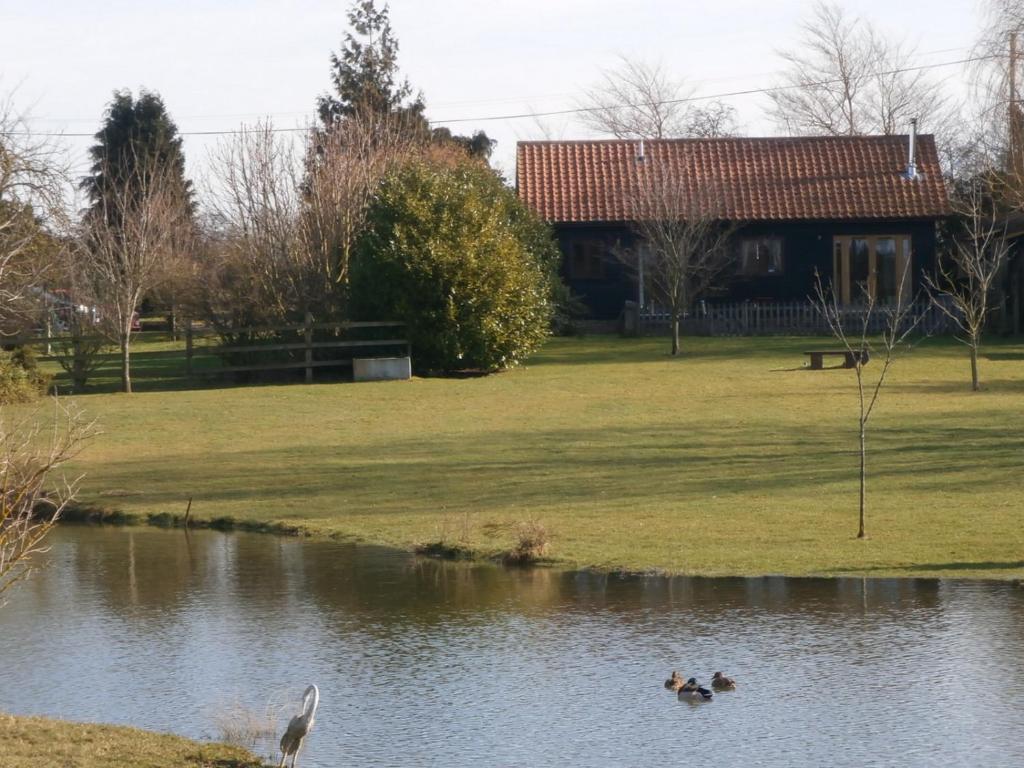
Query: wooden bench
(850, 358)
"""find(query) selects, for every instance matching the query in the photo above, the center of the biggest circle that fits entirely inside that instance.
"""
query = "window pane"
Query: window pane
(859, 267)
(887, 277)
(761, 256)
(774, 255)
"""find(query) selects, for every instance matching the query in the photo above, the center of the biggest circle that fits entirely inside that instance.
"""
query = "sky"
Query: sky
(219, 63)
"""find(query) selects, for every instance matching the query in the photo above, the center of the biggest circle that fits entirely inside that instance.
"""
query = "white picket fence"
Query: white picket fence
(795, 318)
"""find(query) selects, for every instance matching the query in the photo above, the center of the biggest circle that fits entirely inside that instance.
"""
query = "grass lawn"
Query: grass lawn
(727, 460)
(36, 742)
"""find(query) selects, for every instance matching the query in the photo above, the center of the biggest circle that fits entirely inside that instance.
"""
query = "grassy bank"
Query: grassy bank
(36, 742)
(728, 460)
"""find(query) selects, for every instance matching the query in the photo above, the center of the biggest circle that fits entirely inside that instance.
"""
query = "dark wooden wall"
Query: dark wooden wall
(806, 246)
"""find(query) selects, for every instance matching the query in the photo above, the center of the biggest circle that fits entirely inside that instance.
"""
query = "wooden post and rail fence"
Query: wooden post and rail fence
(268, 348)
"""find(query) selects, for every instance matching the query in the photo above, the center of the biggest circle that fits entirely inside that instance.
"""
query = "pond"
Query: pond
(429, 663)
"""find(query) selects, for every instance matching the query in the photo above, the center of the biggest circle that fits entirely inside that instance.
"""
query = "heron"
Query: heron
(299, 726)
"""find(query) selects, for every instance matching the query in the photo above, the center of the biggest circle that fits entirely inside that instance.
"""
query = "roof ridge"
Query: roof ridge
(727, 139)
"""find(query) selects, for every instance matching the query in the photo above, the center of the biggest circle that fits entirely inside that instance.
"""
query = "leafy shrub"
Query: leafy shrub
(451, 251)
(532, 540)
(20, 378)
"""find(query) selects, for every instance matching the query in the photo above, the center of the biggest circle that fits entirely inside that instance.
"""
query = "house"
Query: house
(855, 209)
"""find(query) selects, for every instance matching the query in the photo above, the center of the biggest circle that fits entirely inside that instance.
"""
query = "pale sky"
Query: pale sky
(218, 63)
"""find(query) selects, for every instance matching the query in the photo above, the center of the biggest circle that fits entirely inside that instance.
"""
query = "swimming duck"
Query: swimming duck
(691, 691)
(675, 682)
(722, 683)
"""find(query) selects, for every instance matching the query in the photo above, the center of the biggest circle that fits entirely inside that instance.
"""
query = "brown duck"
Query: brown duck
(722, 683)
(675, 682)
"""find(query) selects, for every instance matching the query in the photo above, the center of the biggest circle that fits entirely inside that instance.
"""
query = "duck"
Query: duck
(675, 682)
(691, 691)
(722, 683)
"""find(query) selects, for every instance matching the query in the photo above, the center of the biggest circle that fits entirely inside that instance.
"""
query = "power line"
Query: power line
(574, 110)
(725, 95)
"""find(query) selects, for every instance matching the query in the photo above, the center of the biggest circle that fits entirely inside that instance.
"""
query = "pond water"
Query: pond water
(427, 663)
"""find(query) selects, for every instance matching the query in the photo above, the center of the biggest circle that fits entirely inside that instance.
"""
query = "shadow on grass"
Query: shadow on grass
(994, 386)
(605, 350)
(578, 466)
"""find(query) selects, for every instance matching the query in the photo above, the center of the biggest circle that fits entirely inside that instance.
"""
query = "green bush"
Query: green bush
(20, 378)
(452, 252)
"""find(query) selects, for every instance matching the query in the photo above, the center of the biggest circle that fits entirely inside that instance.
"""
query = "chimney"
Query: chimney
(640, 152)
(911, 147)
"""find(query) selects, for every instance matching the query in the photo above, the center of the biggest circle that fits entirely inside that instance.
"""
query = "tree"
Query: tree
(368, 86)
(638, 100)
(340, 182)
(846, 78)
(135, 132)
(141, 212)
(998, 70)
(250, 275)
(284, 221)
(854, 330)
(32, 179)
(127, 242)
(365, 75)
(683, 244)
(32, 453)
(453, 253)
(80, 348)
(975, 256)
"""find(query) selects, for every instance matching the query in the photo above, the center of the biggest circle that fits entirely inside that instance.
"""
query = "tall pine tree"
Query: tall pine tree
(135, 131)
(366, 82)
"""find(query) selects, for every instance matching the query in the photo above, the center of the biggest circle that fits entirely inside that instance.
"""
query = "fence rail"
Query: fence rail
(785, 319)
(307, 351)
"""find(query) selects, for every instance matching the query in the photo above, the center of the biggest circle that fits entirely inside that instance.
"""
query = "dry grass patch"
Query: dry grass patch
(36, 742)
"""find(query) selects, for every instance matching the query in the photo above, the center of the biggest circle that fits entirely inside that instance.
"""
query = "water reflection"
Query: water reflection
(441, 663)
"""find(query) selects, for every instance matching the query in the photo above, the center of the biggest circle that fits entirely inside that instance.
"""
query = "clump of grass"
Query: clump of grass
(532, 542)
(453, 540)
(244, 726)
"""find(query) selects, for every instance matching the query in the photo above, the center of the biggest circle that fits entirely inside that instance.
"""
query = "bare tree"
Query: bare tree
(855, 328)
(998, 70)
(683, 242)
(344, 166)
(286, 218)
(846, 78)
(32, 186)
(962, 284)
(80, 346)
(32, 454)
(711, 119)
(254, 203)
(637, 100)
(129, 239)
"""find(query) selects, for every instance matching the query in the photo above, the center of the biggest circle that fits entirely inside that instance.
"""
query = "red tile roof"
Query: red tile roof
(822, 177)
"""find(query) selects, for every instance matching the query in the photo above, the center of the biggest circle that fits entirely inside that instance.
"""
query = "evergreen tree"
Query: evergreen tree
(134, 132)
(367, 83)
(365, 76)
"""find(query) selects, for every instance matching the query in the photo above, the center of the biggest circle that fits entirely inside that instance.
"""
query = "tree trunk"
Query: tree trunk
(863, 477)
(172, 321)
(975, 385)
(126, 375)
(675, 335)
(79, 375)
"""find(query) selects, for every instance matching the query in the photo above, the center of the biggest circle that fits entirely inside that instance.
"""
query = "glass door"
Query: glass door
(877, 264)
